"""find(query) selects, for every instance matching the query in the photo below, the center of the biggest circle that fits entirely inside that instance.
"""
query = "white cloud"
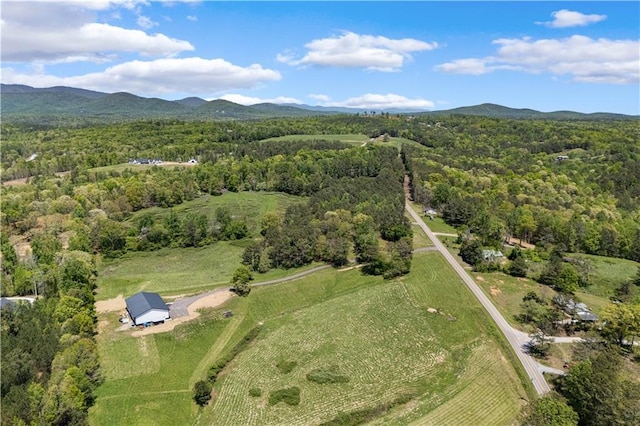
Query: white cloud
(351, 50)
(583, 58)
(250, 100)
(65, 31)
(145, 22)
(319, 98)
(388, 101)
(285, 57)
(192, 18)
(464, 66)
(161, 76)
(567, 18)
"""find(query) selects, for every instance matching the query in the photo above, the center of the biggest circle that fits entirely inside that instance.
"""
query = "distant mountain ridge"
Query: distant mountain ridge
(54, 104)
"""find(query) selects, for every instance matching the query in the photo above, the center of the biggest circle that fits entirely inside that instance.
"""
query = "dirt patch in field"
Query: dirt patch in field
(349, 268)
(479, 278)
(102, 325)
(15, 182)
(516, 241)
(495, 291)
(111, 305)
(211, 301)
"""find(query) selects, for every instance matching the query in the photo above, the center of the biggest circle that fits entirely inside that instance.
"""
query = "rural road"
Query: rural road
(180, 307)
(516, 338)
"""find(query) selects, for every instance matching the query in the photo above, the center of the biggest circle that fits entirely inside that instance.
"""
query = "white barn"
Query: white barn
(146, 307)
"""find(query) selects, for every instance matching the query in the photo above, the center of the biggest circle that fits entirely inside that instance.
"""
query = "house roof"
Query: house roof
(587, 316)
(6, 303)
(487, 254)
(143, 302)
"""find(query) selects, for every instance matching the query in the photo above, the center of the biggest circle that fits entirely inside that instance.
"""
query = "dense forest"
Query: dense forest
(568, 186)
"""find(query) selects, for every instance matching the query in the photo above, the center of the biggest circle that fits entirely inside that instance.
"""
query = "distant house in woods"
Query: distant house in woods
(145, 161)
(492, 255)
(578, 310)
(146, 307)
(6, 303)
(562, 157)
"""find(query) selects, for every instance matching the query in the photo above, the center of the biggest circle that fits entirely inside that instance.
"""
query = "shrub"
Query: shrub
(325, 375)
(290, 396)
(286, 366)
(255, 392)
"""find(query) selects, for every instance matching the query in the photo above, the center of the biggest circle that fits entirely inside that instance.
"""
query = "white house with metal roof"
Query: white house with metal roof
(147, 307)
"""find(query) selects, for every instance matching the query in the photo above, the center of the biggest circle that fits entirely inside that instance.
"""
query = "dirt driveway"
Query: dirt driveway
(186, 309)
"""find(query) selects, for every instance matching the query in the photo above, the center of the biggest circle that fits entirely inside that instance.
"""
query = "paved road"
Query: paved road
(516, 338)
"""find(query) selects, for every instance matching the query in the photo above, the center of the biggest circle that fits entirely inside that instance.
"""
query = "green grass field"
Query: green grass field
(135, 167)
(379, 333)
(437, 224)
(355, 139)
(178, 271)
(608, 273)
(169, 271)
(383, 338)
(190, 270)
(246, 206)
(420, 239)
(352, 138)
(506, 292)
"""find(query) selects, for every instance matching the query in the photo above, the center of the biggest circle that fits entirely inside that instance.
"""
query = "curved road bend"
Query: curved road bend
(513, 336)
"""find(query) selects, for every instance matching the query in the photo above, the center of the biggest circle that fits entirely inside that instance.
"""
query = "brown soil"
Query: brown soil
(517, 241)
(494, 291)
(111, 305)
(15, 182)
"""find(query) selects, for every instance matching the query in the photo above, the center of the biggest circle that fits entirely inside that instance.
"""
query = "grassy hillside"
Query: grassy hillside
(178, 271)
(383, 335)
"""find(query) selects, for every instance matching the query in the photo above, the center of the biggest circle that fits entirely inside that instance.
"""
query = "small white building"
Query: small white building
(146, 308)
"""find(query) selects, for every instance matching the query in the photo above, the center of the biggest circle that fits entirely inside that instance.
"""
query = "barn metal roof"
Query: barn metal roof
(143, 302)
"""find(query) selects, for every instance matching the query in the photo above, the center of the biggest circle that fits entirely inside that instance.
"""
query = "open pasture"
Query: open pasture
(356, 139)
(248, 207)
(169, 271)
(387, 339)
(423, 337)
(147, 378)
(607, 273)
(178, 271)
(352, 138)
(119, 168)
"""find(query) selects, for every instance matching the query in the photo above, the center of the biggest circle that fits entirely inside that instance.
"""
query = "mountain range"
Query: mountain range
(21, 103)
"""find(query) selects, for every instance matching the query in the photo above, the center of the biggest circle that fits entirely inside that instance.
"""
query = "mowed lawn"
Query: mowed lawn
(383, 335)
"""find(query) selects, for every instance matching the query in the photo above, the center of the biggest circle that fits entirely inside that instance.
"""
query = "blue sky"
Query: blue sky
(580, 56)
